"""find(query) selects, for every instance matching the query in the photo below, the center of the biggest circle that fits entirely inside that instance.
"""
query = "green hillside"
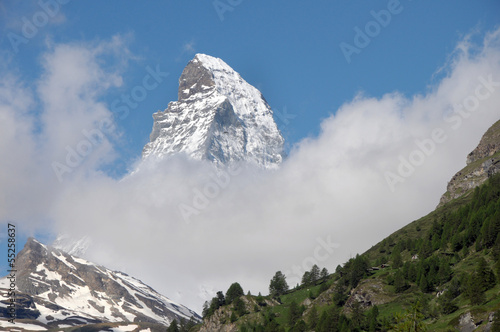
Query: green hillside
(438, 273)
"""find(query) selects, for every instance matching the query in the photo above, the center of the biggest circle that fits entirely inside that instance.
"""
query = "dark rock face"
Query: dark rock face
(482, 163)
(25, 308)
(489, 145)
(193, 78)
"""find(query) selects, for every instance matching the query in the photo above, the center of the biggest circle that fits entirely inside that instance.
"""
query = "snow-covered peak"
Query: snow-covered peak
(62, 290)
(212, 63)
(218, 117)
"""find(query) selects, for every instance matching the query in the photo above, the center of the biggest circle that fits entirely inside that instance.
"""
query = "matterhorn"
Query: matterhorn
(218, 117)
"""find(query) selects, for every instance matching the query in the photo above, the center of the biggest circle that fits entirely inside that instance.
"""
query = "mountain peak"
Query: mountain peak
(218, 117)
(64, 290)
(211, 62)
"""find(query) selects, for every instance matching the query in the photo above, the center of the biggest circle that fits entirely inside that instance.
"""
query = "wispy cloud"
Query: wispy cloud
(188, 47)
(43, 118)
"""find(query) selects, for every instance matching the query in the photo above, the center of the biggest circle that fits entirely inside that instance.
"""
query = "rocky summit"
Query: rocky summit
(55, 290)
(482, 163)
(218, 117)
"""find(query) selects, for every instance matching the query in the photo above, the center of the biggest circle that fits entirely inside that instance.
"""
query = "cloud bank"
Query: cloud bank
(190, 230)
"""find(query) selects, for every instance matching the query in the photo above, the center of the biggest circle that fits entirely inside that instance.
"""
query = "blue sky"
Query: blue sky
(290, 50)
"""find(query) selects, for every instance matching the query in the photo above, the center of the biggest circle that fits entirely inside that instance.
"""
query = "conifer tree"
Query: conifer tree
(358, 317)
(173, 327)
(294, 313)
(485, 275)
(234, 292)
(372, 317)
(399, 282)
(324, 273)
(314, 274)
(313, 318)
(306, 278)
(397, 261)
(424, 284)
(278, 284)
(474, 290)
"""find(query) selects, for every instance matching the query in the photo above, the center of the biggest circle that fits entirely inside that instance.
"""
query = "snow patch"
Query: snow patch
(25, 326)
(124, 328)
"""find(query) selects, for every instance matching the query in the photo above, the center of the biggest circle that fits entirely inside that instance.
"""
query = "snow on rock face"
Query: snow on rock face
(219, 117)
(62, 289)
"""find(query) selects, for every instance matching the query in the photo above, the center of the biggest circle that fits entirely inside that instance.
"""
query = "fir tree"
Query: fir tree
(372, 318)
(358, 317)
(400, 284)
(294, 313)
(278, 285)
(206, 309)
(424, 284)
(173, 327)
(313, 318)
(474, 290)
(324, 273)
(220, 299)
(306, 278)
(234, 292)
(239, 306)
(314, 274)
(485, 275)
(397, 261)
(411, 320)
(187, 326)
(329, 320)
(339, 294)
(300, 326)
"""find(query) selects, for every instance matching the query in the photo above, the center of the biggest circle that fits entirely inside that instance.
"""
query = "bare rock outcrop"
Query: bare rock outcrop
(482, 163)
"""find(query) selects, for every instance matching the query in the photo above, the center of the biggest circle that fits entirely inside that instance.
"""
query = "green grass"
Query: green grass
(418, 228)
(300, 295)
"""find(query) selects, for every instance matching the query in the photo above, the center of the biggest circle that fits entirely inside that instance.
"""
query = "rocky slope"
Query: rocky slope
(218, 117)
(58, 289)
(482, 163)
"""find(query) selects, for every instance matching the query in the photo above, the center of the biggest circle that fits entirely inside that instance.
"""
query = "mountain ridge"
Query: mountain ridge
(66, 290)
(482, 163)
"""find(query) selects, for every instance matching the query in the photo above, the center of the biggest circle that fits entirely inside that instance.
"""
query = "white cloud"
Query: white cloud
(331, 188)
(42, 121)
